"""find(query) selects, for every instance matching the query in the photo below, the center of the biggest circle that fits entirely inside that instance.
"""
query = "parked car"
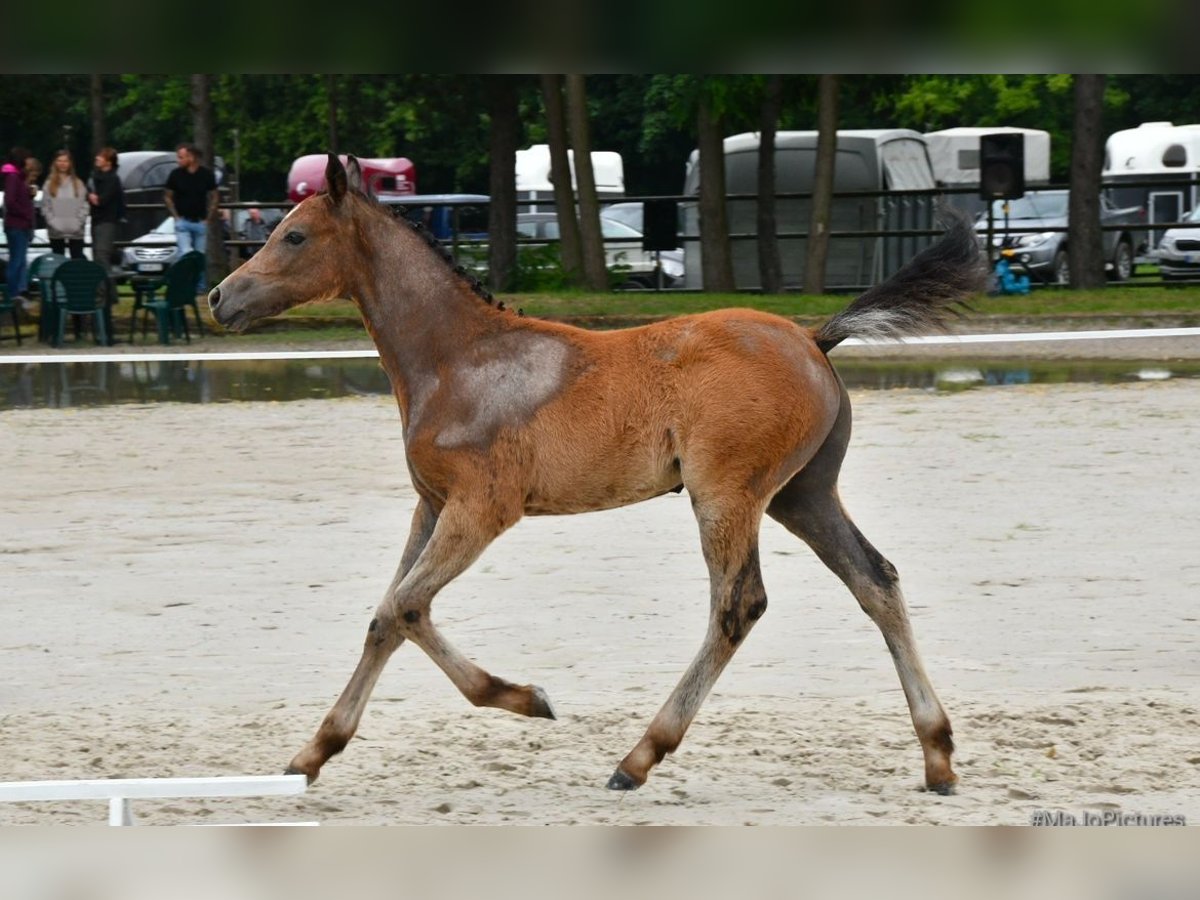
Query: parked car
(153, 251)
(631, 214)
(622, 248)
(1045, 253)
(41, 244)
(1179, 249)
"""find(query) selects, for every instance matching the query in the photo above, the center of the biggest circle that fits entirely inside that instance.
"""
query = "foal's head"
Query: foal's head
(311, 255)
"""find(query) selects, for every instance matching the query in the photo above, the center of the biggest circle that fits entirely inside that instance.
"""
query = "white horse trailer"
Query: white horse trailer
(1158, 151)
(534, 183)
(954, 154)
(893, 159)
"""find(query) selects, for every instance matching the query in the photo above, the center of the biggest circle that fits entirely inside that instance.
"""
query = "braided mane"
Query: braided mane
(444, 254)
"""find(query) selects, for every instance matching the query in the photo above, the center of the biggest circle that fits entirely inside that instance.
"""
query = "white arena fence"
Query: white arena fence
(120, 791)
(1024, 337)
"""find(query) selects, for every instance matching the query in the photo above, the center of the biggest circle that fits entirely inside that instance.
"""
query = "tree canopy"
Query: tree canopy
(441, 123)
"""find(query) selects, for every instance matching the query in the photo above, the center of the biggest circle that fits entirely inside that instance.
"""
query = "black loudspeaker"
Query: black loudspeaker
(660, 229)
(1002, 166)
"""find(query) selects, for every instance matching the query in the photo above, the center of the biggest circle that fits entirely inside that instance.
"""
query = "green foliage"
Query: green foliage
(540, 269)
(440, 121)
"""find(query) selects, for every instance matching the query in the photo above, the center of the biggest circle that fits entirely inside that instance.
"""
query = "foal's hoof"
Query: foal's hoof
(945, 788)
(622, 782)
(540, 706)
(309, 777)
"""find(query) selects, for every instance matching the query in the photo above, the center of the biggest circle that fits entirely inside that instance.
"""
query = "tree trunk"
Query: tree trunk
(716, 261)
(1084, 239)
(202, 130)
(560, 177)
(332, 112)
(595, 273)
(216, 263)
(822, 201)
(502, 211)
(99, 126)
(770, 268)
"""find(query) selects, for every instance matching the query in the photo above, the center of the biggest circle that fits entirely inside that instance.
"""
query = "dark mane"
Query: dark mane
(439, 249)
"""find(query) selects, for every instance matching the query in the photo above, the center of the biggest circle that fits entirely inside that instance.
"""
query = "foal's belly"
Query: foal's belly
(590, 485)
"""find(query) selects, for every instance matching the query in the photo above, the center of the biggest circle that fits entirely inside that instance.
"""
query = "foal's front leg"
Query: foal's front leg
(460, 533)
(342, 720)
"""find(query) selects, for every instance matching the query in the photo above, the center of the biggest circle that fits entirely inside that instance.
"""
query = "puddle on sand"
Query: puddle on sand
(59, 385)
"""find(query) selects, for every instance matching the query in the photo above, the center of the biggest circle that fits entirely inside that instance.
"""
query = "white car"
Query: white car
(151, 253)
(155, 250)
(622, 249)
(1179, 250)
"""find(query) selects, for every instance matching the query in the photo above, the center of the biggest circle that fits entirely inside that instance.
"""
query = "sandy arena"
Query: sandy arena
(186, 589)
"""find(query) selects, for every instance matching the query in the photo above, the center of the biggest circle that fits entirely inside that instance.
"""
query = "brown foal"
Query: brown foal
(506, 416)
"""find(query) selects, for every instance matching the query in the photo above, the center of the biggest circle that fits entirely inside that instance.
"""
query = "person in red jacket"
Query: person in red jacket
(18, 222)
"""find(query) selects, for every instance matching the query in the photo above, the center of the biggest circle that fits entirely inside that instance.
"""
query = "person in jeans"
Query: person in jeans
(65, 206)
(107, 198)
(191, 195)
(18, 223)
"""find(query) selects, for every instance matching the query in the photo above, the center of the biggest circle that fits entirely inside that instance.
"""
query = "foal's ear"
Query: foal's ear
(335, 178)
(354, 176)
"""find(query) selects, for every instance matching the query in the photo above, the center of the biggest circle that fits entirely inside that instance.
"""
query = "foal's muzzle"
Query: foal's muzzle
(231, 319)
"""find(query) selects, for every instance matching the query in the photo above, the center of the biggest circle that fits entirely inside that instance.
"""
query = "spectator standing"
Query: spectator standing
(107, 199)
(191, 195)
(33, 174)
(255, 229)
(18, 223)
(65, 206)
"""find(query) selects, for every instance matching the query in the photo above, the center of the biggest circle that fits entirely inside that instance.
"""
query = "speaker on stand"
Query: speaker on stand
(660, 231)
(1001, 175)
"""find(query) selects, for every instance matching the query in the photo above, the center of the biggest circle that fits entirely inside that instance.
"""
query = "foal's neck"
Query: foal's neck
(421, 314)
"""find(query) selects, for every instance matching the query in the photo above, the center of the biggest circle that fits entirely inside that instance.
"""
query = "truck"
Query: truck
(1044, 253)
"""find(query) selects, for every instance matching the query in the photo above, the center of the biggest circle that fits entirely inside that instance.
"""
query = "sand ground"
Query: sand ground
(186, 588)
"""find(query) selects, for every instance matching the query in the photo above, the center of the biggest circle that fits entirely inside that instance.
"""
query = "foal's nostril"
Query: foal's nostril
(214, 297)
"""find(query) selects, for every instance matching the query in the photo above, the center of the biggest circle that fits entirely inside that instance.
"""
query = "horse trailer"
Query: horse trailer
(535, 185)
(1160, 152)
(954, 154)
(878, 160)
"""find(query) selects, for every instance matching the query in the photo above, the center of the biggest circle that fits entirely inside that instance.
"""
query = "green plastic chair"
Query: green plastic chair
(40, 271)
(80, 288)
(179, 292)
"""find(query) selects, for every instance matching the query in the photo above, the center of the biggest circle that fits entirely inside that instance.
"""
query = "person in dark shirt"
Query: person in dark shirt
(18, 222)
(107, 198)
(191, 196)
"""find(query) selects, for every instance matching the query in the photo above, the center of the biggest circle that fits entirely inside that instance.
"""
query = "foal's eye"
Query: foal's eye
(294, 237)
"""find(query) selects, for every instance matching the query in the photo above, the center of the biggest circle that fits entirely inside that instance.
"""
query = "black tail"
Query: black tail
(921, 296)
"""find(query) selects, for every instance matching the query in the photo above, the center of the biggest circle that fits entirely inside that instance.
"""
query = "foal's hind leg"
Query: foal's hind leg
(729, 537)
(809, 507)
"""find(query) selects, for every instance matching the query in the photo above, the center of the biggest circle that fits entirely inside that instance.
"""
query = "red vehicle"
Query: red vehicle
(394, 177)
